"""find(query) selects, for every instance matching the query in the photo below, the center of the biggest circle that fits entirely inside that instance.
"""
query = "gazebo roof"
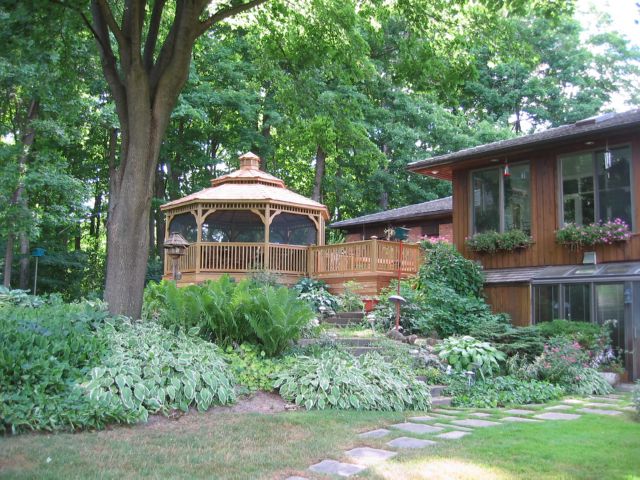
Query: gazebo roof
(251, 184)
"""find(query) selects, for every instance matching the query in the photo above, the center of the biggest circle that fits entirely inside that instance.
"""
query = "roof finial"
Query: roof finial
(249, 161)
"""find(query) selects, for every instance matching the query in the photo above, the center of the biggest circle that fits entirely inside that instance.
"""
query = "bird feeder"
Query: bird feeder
(176, 246)
(401, 233)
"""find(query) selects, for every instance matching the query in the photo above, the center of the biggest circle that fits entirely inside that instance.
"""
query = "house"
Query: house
(248, 221)
(577, 174)
(430, 219)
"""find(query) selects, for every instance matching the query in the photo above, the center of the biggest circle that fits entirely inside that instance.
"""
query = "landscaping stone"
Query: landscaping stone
(600, 411)
(369, 456)
(557, 416)
(453, 435)
(628, 409)
(447, 412)
(519, 411)
(380, 432)
(604, 405)
(559, 407)
(573, 401)
(296, 478)
(471, 422)
(457, 427)
(416, 428)
(332, 467)
(480, 414)
(407, 442)
(441, 415)
(424, 418)
(520, 419)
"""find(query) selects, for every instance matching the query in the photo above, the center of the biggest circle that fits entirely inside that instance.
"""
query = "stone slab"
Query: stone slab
(599, 411)
(520, 419)
(407, 442)
(424, 418)
(453, 435)
(472, 422)
(443, 416)
(628, 409)
(447, 412)
(416, 428)
(602, 405)
(559, 407)
(457, 427)
(332, 467)
(296, 478)
(380, 432)
(557, 416)
(573, 401)
(480, 414)
(369, 456)
(519, 411)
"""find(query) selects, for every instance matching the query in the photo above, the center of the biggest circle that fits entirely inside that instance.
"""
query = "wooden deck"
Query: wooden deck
(371, 263)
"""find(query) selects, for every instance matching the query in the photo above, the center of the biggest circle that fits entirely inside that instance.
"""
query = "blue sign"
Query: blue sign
(38, 252)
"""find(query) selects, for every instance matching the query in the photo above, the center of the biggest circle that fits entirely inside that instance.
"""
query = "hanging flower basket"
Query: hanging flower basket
(491, 242)
(580, 236)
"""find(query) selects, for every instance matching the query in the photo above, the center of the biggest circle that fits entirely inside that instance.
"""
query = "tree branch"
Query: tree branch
(152, 36)
(226, 13)
(111, 22)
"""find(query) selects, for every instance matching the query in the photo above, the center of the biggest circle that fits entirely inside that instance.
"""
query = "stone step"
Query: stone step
(358, 351)
(437, 390)
(441, 401)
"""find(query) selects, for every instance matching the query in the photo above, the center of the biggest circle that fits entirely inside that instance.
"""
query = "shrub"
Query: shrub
(445, 265)
(501, 392)
(226, 312)
(316, 293)
(45, 353)
(150, 369)
(591, 337)
(579, 236)
(523, 341)
(349, 300)
(468, 354)
(491, 242)
(413, 313)
(339, 380)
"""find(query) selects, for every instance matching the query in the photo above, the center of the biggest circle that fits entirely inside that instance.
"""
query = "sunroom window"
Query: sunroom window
(501, 201)
(597, 187)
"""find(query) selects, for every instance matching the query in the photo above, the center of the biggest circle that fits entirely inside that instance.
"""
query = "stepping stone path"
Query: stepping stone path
(369, 456)
(519, 411)
(459, 423)
(454, 435)
(331, 467)
(380, 432)
(416, 428)
(475, 423)
(408, 442)
(557, 416)
(599, 411)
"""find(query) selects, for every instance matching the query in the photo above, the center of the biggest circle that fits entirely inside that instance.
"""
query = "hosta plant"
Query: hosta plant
(468, 354)
(150, 369)
(339, 380)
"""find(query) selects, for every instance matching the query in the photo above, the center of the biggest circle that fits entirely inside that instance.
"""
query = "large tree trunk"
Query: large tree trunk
(27, 142)
(321, 158)
(24, 261)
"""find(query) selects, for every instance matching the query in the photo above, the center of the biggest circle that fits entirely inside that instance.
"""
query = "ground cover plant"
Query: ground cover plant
(468, 354)
(252, 368)
(228, 312)
(337, 379)
(317, 294)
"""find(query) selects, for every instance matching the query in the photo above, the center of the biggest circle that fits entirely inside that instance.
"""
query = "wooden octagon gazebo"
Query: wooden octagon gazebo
(247, 221)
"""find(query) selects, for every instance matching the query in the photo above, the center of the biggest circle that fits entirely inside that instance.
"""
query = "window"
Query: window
(571, 301)
(233, 226)
(594, 189)
(185, 225)
(501, 203)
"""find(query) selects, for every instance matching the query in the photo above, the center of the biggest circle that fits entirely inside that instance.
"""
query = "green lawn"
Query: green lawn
(255, 446)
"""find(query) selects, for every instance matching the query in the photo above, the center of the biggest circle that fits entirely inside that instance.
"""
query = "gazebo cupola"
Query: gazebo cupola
(246, 221)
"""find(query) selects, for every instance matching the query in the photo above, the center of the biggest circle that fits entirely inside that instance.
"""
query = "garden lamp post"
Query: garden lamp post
(400, 234)
(176, 247)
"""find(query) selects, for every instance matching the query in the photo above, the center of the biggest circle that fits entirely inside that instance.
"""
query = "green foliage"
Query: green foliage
(150, 369)
(226, 312)
(251, 367)
(19, 298)
(491, 242)
(414, 316)
(45, 353)
(339, 380)
(316, 293)
(444, 264)
(468, 354)
(501, 392)
(523, 341)
(349, 300)
(635, 397)
(592, 337)
(606, 233)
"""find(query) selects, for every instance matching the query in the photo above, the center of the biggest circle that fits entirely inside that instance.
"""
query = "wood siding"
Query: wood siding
(545, 212)
(512, 299)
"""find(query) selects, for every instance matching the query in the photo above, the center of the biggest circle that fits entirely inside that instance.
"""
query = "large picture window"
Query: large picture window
(596, 188)
(501, 202)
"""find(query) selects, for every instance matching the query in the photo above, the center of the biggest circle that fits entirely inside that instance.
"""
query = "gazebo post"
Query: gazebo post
(199, 221)
(267, 227)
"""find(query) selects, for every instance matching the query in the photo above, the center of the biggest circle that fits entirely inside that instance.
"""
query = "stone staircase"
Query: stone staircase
(344, 319)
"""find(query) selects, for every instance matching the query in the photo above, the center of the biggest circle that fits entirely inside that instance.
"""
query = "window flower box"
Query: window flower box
(491, 242)
(606, 233)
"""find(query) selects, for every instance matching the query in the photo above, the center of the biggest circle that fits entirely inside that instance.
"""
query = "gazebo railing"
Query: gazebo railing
(353, 257)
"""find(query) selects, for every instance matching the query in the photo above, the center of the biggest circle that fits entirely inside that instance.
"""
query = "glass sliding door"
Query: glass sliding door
(610, 307)
(577, 302)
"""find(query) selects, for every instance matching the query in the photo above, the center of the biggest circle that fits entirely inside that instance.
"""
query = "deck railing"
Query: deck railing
(352, 257)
